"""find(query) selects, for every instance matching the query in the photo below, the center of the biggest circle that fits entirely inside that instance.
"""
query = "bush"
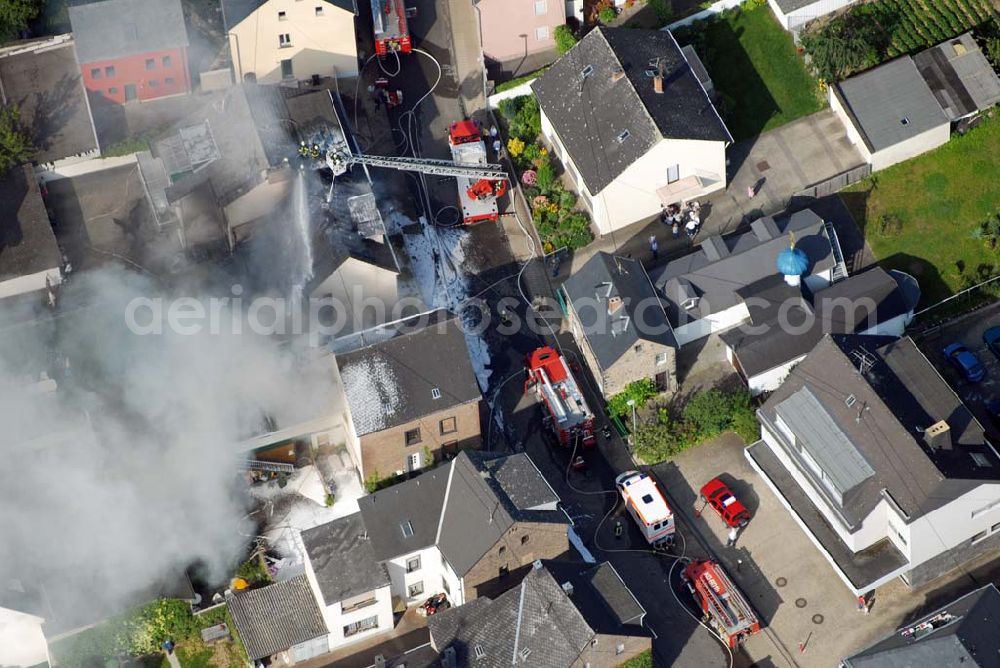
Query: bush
(254, 571)
(373, 482)
(663, 11)
(565, 39)
(546, 177)
(15, 146)
(640, 391)
(607, 15)
(515, 147)
(567, 200)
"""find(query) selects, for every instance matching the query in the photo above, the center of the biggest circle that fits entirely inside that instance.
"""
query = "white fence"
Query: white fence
(717, 8)
(516, 91)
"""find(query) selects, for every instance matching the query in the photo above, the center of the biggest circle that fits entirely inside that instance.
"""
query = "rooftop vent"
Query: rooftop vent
(567, 587)
(904, 121)
(479, 651)
(938, 436)
(536, 564)
(617, 74)
(614, 303)
(379, 661)
(691, 303)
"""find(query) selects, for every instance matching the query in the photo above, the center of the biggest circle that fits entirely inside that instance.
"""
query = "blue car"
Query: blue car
(966, 362)
(991, 337)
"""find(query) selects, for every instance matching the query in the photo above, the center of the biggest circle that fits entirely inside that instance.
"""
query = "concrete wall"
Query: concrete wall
(911, 148)
(608, 651)
(541, 541)
(168, 75)
(955, 525)
(715, 322)
(504, 21)
(386, 452)
(38, 281)
(799, 17)
(769, 380)
(320, 44)
(22, 642)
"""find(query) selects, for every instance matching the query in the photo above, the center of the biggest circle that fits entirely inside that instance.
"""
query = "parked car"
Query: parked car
(716, 494)
(434, 605)
(966, 362)
(991, 337)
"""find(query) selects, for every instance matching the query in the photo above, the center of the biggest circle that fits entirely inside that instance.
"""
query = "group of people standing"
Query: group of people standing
(676, 216)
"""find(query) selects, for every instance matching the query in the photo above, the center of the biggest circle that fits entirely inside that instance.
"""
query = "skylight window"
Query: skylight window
(435, 393)
(587, 71)
(623, 136)
(904, 121)
(406, 528)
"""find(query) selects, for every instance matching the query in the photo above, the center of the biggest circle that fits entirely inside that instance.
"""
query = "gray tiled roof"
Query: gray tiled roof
(472, 511)
(641, 318)
(392, 382)
(751, 257)
(27, 243)
(959, 75)
(964, 633)
(537, 623)
(273, 618)
(890, 104)
(899, 394)
(760, 350)
(342, 557)
(116, 28)
(589, 114)
(518, 479)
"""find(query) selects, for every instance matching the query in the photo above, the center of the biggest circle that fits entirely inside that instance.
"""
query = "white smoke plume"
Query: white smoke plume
(128, 472)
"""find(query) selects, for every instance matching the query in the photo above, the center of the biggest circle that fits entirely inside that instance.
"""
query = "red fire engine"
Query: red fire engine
(478, 197)
(567, 416)
(725, 609)
(392, 35)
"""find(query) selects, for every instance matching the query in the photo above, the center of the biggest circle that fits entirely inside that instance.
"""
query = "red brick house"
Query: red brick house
(132, 49)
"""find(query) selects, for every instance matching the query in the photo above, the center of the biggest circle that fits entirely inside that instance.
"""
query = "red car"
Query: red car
(716, 494)
(434, 605)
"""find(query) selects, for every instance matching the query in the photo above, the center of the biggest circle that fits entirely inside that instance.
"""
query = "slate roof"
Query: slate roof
(590, 113)
(962, 632)
(517, 478)
(766, 345)
(343, 559)
(47, 88)
(455, 507)
(717, 277)
(959, 75)
(237, 10)
(273, 618)
(899, 394)
(537, 623)
(117, 28)
(391, 382)
(641, 318)
(27, 243)
(890, 104)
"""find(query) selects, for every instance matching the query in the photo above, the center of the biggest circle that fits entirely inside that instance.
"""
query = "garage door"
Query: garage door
(310, 649)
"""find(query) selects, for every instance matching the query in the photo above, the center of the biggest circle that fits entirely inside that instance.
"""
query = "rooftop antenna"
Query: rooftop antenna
(864, 359)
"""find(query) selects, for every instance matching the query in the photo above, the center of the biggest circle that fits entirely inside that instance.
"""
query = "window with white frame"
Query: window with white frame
(415, 589)
(673, 173)
(661, 359)
(541, 7)
(284, 40)
(542, 33)
(413, 564)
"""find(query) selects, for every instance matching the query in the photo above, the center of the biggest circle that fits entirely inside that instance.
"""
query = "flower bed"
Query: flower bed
(553, 208)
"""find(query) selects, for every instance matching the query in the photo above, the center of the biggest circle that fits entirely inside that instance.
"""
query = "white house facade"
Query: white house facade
(291, 40)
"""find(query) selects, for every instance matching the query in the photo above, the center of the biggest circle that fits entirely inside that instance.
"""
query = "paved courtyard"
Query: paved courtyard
(779, 163)
(791, 585)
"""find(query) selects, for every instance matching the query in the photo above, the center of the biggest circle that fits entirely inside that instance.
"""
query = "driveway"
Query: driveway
(791, 585)
(968, 330)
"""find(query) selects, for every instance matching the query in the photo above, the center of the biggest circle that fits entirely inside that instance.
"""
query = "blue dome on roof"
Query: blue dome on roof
(792, 262)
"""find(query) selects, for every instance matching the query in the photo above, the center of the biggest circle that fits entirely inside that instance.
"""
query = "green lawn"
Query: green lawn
(939, 200)
(762, 82)
(644, 660)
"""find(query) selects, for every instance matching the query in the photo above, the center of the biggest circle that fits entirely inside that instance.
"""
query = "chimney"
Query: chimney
(614, 303)
(658, 84)
(938, 436)
(617, 74)
(448, 658)
(567, 587)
